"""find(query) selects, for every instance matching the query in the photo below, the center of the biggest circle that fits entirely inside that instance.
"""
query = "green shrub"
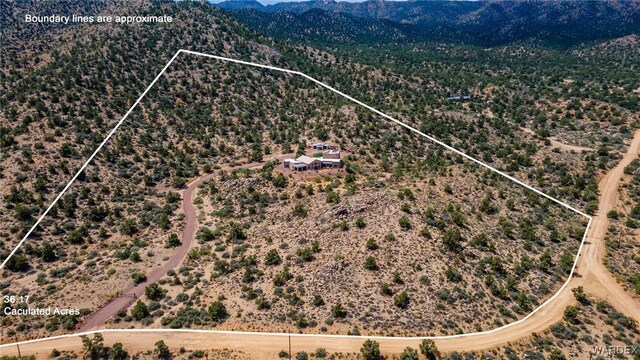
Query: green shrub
(218, 311)
(279, 181)
(138, 277)
(18, 262)
(370, 350)
(405, 224)
(282, 277)
(409, 354)
(371, 264)
(571, 314)
(154, 292)
(299, 210)
(428, 349)
(139, 311)
(401, 300)
(128, 227)
(332, 197)
(425, 233)
(453, 274)
(306, 254)
(318, 300)
(272, 257)
(452, 240)
(385, 289)
(162, 350)
(172, 241)
(338, 311)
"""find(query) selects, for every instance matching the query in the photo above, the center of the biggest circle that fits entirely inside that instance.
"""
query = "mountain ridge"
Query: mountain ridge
(482, 22)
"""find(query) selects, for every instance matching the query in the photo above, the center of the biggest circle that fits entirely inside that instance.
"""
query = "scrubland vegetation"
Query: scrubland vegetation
(406, 234)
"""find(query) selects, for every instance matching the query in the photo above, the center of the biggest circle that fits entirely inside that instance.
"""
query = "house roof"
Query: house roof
(306, 159)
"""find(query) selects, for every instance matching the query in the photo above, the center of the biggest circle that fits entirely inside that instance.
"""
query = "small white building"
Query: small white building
(320, 146)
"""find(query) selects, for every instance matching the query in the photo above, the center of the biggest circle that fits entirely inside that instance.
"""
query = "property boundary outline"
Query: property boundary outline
(388, 117)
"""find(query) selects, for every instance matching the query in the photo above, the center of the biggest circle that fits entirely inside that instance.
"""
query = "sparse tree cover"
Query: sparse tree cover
(453, 274)
(282, 277)
(236, 233)
(385, 289)
(556, 354)
(47, 252)
(278, 241)
(576, 326)
(305, 254)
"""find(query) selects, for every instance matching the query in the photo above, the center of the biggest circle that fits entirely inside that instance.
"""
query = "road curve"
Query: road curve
(133, 291)
(110, 309)
(591, 273)
(601, 282)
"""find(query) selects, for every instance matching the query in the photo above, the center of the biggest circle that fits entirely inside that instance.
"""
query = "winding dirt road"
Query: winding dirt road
(601, 282)
(133, 291)
(590, 273)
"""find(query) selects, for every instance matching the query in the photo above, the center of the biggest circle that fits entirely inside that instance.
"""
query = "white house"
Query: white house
(330, 159)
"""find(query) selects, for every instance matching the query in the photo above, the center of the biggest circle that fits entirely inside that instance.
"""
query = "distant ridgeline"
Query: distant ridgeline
(474, 22)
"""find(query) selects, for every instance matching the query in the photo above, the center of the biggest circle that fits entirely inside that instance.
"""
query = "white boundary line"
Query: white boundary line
(566, 283)
(55, 201)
